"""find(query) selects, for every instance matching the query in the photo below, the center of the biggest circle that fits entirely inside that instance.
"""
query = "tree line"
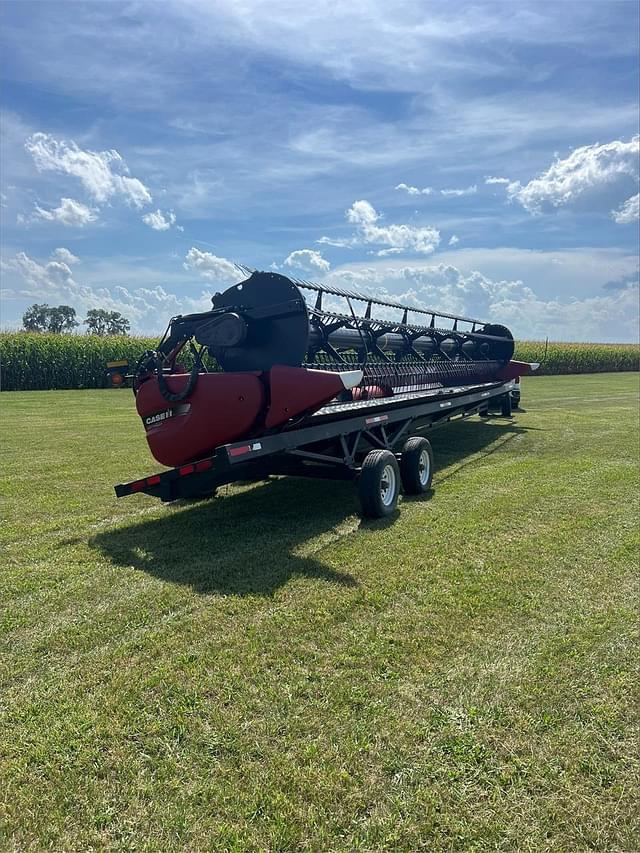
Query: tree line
(62, 318)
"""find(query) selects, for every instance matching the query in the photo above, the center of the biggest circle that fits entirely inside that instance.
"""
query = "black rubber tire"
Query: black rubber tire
(370, 484)
(411, 474)
(505, 406)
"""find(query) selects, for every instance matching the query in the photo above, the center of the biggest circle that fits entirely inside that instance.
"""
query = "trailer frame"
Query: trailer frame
(330, 444)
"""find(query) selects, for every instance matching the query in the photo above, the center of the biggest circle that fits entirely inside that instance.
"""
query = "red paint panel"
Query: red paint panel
(514, 369)
(223, 408)
(297, 389)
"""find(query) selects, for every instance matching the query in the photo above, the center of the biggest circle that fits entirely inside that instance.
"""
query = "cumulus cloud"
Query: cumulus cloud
(104, 174)
(210, 266)
(594, 176)
(160, 221)
(69, 212)
(415, 190)
(53, 281)
(397, 237)
(629, 211)
(455, 193)
(309, 260)
(454, 240)
(65, 256)
(54, 276)
(509, 301)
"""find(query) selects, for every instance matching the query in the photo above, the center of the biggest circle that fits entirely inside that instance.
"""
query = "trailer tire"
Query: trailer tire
(379, 484)
(416, 466)
(505, 407)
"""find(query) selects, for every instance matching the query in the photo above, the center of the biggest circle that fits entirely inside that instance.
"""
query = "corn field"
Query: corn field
(31, 361)
(579, 358)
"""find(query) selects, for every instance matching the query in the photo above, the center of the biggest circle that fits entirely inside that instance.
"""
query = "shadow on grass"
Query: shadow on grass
(462, 441)
(247, 542)
(239, 543)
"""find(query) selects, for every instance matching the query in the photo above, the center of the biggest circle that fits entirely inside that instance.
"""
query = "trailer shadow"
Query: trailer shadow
(246, 541)
(460, 443)
(251, 540)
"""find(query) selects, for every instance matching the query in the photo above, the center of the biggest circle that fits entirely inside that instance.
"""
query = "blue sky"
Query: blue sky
(476, 157)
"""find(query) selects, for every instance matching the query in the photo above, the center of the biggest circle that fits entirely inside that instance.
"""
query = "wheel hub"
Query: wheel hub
(388, 485)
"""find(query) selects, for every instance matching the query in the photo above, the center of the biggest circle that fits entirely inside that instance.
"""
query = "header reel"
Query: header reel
(265, 321)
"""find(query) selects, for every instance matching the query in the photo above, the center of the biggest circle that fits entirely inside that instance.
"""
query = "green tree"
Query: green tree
(62, 319)
(44, 318)
(103, 323)
(36, 318)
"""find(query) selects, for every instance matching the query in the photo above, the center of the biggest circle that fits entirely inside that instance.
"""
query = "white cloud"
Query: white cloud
(309, 260)
(629, 211)
(415, 190)
(454, 240)
(594, 176)
(461, 192)
(365, 217)
(148, 308)
(69, 212)
(210, 266)
(65, 256)
(444, 287)
(491, 180)
(160, 221)
(340, 244)
(104, 174)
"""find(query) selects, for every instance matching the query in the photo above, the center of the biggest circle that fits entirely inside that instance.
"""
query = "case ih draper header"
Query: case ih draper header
(317, 388)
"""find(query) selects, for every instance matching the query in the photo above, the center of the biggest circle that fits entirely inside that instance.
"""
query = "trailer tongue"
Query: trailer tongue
(319, 388)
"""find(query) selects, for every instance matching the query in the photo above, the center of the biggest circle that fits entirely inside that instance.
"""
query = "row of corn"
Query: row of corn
(31, 361)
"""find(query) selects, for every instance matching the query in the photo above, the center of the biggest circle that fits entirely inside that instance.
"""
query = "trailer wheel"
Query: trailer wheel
(505, 408)
(379, 484)
(416, 466)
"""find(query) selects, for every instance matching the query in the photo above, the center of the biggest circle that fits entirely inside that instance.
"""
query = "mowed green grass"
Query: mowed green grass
(266, 672)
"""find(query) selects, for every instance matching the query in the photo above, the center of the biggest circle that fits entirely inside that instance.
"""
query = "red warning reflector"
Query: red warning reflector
(186, 469)
(137, 486)
(152, 481)
(204, 465)
(240, 451)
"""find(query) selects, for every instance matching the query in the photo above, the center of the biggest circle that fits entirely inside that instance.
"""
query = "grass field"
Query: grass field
(266, 672)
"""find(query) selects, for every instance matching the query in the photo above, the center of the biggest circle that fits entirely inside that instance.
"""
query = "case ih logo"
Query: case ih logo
(152, 420)
(160, 417)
